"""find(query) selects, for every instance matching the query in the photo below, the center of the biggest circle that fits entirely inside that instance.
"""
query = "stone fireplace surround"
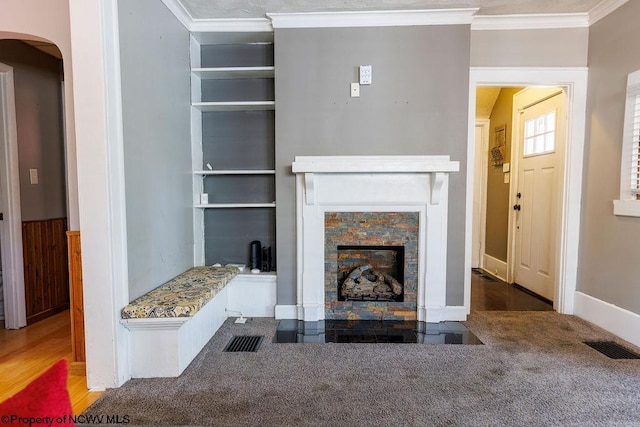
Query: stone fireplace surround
(372, 184)
(384, 229)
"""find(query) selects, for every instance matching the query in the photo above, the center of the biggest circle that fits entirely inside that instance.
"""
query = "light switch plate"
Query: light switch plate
(355, 90)
(33, 176)
(506, 167)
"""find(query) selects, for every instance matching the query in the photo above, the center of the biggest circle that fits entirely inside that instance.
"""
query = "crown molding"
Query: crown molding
(181, 13)
(604, 8)
(231, 25)
(530, 21)
(388, 18)
(375, 18)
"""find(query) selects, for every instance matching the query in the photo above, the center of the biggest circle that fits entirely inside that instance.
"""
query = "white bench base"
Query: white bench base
(164, 347)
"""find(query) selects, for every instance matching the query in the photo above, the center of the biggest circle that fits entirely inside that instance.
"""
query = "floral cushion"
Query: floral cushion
(183, 295)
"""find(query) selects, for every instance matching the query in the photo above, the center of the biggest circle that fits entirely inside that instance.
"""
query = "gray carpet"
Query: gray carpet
(533, 370)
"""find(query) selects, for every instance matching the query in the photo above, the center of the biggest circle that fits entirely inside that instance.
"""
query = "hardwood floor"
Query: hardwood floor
(489, 293)
(26, 353)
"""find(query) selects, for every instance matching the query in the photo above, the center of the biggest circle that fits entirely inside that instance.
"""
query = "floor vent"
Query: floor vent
(244, 343)
(612, 350)
(485, 276)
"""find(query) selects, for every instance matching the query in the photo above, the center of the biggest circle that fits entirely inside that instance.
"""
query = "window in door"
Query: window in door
(540, 134)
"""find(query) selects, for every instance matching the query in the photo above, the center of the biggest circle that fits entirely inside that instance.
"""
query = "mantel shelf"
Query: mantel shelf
(236, 205)
(374, 164)
(234, 72)
(235, 106)
(236, 172)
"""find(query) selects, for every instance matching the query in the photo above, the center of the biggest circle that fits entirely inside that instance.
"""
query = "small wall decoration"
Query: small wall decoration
(497, 151)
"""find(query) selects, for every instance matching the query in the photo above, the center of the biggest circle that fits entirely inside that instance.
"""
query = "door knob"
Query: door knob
(516, 207)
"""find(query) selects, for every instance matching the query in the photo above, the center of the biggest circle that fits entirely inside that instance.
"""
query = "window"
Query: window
(540, 134)
(629, 203)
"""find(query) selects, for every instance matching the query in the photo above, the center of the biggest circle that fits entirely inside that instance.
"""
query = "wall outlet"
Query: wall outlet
(366, 74)
(355, 90)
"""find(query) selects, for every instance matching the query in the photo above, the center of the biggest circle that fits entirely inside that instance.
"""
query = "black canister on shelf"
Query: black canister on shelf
(255, 259)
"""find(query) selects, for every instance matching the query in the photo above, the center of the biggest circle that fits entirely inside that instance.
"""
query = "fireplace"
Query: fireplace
(371, 201)
(371, 273)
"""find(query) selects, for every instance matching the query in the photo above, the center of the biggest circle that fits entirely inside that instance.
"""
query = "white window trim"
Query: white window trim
(628, 205)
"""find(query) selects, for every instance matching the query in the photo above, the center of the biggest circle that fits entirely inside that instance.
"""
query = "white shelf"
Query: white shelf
(234, 72)
(258, 276)
(235, 106)
(236, 172)
(236, 205)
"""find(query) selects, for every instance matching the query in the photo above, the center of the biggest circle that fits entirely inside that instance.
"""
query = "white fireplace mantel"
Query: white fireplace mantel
(438, 166)
(372, 184)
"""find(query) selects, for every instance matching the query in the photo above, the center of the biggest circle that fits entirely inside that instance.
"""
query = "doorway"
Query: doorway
(573, 81)
(33, 183)
(518, 188)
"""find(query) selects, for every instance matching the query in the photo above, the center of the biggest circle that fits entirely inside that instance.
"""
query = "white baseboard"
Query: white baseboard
(494, 266)
(612, 318)
(286, 312)
(442, 314)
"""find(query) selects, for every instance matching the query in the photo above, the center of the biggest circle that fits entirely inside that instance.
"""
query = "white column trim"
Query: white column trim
(101, 191)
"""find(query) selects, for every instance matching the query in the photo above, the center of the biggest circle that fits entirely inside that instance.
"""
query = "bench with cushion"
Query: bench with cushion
(170, 324)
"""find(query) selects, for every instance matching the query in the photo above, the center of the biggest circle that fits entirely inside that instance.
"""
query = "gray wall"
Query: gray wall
(154, 49)
(562, 47)
(38, 94)
(418, 104)
(609, 267)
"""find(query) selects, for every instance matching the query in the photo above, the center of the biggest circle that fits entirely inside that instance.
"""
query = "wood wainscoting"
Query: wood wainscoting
(46, 271)
(76, 296)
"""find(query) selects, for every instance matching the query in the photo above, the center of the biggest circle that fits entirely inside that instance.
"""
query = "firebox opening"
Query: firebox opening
(371, 273)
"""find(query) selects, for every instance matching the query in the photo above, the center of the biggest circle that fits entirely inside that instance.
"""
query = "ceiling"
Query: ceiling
(212, 9)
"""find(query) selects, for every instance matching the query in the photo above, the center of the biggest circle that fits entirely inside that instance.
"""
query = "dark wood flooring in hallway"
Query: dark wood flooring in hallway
(489, 293)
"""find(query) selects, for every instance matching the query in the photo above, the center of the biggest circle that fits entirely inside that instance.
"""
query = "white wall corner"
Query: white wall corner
(604, 8)
(612, 318)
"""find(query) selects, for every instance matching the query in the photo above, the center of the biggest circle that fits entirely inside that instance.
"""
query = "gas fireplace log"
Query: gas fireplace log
(365, 282)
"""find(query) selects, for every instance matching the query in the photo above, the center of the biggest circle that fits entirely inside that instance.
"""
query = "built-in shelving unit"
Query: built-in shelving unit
(234, 72)
(233, 144)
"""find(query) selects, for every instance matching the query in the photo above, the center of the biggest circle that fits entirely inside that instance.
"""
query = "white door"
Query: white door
(540, 154)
